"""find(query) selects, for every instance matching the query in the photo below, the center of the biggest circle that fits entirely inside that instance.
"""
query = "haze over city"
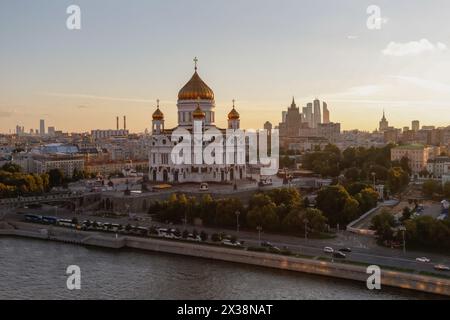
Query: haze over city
(260, 53)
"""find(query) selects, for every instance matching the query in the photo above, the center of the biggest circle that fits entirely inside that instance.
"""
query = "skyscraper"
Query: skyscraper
(309, 114)
(42, 127)
(384, 124)
(317, 114)
(326, 113)
(415, 125)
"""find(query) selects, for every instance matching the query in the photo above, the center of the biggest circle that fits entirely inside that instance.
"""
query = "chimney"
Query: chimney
(117, 123)
(124, 122)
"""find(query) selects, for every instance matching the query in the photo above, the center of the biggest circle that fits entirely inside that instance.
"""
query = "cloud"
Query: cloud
(94, 97)
(413, 48)
(6, 114)
(425, 83)
(360, 91)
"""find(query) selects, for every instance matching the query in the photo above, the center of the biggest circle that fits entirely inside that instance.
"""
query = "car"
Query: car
(328, 250)
(441, 267)
(265, 182)
(345, 250)
(204, 187)
(423, 259)
(338, 254)
(230, 243)
(266, 244)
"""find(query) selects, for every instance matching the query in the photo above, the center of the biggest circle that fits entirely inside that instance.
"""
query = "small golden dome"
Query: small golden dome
(196, 88)
(158, 115)
(198, 113)
(233, 115)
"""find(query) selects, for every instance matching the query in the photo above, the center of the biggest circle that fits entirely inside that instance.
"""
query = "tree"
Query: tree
(316, 220)
(337, 205)
(264, 216)
(430, 187)
(56, 178)
(367, 199)
(384, 224)
(404, 163)
(397, 179)
(203, 236)
(11, 167)
(406, 213)
(77, 175)
(226, 212)
(352, 174)
(446, 189)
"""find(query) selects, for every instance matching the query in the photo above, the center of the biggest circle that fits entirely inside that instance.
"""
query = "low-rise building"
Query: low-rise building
(417, 154)
(66, 163)
(439, 166)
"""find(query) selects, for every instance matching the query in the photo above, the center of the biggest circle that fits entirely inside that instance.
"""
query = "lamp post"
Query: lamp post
(306, 228)
(403, 229)
(374, 180)
(259, 228)
(234, 177)
(237, 220)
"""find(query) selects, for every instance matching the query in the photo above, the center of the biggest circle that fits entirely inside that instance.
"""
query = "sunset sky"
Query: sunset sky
(259, 52)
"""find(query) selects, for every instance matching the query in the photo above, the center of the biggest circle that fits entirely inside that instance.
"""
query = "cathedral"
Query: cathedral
(195, 103)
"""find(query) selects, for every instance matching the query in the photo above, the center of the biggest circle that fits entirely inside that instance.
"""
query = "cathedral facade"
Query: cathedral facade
(195, 104)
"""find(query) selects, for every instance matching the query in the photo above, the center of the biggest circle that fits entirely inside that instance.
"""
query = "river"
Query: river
(31, 269)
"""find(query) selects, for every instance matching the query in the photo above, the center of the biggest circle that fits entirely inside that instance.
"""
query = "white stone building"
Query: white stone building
(195, 105)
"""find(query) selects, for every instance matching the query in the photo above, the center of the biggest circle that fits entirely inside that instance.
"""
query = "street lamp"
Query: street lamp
(259, 228)
(306, 228)
(234, 177)
(237, 220)
(403, 229)
(374, 180)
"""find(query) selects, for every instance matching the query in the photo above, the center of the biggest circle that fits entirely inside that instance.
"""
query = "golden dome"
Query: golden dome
(233, 115)
(158, 115)
(195, 88)
(198, 113)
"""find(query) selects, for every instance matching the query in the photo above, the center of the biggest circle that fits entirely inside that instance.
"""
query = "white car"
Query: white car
(328, 250)
(423, 259)
(229, 243)
(441, 267)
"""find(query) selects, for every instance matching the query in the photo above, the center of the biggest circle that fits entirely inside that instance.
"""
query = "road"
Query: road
(364, 249)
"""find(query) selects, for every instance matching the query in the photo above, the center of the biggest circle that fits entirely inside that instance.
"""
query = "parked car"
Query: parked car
(441, 267)
(328, 250)
(339, 255)
(345, 250)
(423, 259)
(265, 182)
(204, 186)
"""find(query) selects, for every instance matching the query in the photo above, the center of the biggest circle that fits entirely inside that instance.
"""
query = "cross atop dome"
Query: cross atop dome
(195, 63)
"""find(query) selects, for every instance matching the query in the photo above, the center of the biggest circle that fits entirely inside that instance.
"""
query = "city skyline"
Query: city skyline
(260, 54)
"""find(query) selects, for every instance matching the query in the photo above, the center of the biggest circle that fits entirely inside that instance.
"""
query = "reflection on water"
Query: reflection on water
(36, 270)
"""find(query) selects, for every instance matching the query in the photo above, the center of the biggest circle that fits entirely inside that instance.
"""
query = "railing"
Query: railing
(20, 200)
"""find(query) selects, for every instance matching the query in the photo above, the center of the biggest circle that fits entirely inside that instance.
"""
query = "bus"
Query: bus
(33, 218)
(49, 220)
